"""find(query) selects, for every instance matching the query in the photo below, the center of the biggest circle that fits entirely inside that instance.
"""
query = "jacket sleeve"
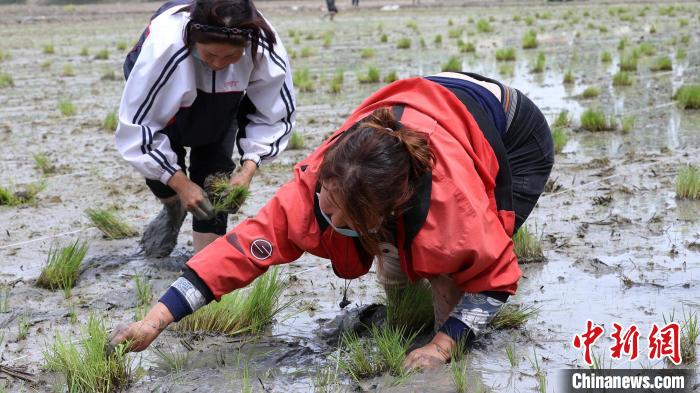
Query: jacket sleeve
(272, 94)
(159, 84)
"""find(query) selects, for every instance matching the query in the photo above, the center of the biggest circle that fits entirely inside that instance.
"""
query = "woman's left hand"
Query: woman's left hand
(244, 175)
(431, 356)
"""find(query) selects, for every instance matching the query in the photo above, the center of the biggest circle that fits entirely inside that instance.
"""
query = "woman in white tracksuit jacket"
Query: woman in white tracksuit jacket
(206, 74)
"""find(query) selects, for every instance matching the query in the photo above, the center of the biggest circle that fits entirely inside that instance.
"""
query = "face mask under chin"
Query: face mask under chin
(343, 231)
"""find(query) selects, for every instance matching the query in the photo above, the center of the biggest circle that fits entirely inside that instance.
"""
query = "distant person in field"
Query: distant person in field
(332, 9)
(355, 3)
(429, 178)
(208, 75)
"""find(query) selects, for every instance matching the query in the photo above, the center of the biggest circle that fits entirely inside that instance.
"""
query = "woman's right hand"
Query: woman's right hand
(192, 197)
(139, 335)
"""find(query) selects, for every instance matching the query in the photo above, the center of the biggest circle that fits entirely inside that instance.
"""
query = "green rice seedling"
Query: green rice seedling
(109, 75)
(595, 120)
(662, 63)
(48, 49)
(511, 355)
(597, 361)
(688, 96)
(62, 264)
(371, 76)
(88, 367)
(306, 52)
(121, 46)
(438, 40)
(8, 198)
(84, 51)
(303, 80)
(688, 183)
(72, 315)
(144, 291)
(591, 92)
(410, 307)
(358, 358)
(109, 223)
(368, 53)
(383, 38)
(540, 375)
(628, 62)
(680, 54)
(622, 44)
(483, 26)
(241, 311)
(336, 84)
(6, 80)
(667, 11)
(627, 124)
(297, 40)
(562, 119)
(513, 316)
(392, 344)
(327, 40)
(568, 77)
(527, 246)
(66, 107)
(413, 26)
(645, 49)
(4, 298)
(68, 70)
(685, 39)
(560, 139)
(622, 78)
(450, 22)
(529, 21)
(455, 33)
(309, 36)
(422, 43)
(390, 77)
(690, 330)
(225, 197)
(110, 121)
(538, 67)
(606, 57)
(403, 43)
(530, 39)
(296, 141)
(516, 18)
(22, 327)
(467, 47)
(102, 54)
(454, 63)
(292, 54)
(505, 54)
(327, 379)
(43, 164)
(506, 69)
(173, 360)
(292, 33)
(683, 22)
(460, 377)
(4, 55)
(652, 29)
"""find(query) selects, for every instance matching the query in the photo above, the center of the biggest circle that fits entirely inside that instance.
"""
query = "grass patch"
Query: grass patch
(459, 371)
(483, 26)
(110, 121)
(22, 327)
(102, 54)
(48, 49)
(622, 78)
(662, 63)
(383, 38)
(43, 164)
(595, 120)
(505, 54)
(240, 312)
(109, 75)
(171, 359)
(562, 119)
(403, 43)
(411, 24)
(466, 47)
(530, 39)
(121, 45)
(306, 52)
(327, 39)
(111, 225)
(438, 40)
(224, 196)
(303, 80)
(61, 269)
(628, 62)
(6, 80)
(688, 96)
(690, 330)
(455, 33)
(527, 246)
(568, 78)
(371, 76)
(591, 92)
(680, 54)
(410, 307)
(68, 70)
(538, 67)
(454, 63)
(4, 298)
(688, 183)
(384, 351)
(67, 107)
(560, 139)
(513, 316)
(25, 195)
(627, 124)
(606, 57)
(645, 49)
(84, 51)
(512, 356)
(89, 368)
(368, 53)
(296, 141)
(390, 77)
(336, 84)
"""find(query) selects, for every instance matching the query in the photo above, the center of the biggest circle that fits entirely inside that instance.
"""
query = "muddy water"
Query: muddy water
(632, 260)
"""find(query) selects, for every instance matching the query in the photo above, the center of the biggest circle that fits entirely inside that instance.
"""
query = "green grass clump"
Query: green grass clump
(296, 141)
(513, 316)
(562, 119)
(84, 51)
(61, 269)
(337, 82)
(303, 80)
(628, 62)
(306, 52)
(483, 26)
(527, 246)
(505, 54)
(627, 124)
(110, 121)
(368, 53)
(240, 312)
(622, 78)
(371, 76)
(595, 120)
(606, 57)
(43, 164)
(121, 45)
(688, 96)
(48, 49)
(455, 32)
(4, 299)
(403, 43)
(111, 225)
(67, 107)
(327, 39)
(102, 54)
(6, 80)
(390, 77)
(466, 47)
(26, 195)
(383, 38)
(680, 54)
(530, 39)
(688, 183)
(645, 49)
(384, 351)
(144, 296)
(410, 307)
(226, 197)
(109, 75)
(438, 40)
(529, 20)
(411, 24)
(358, 358)
(591, 92)
(68, 70)
(568, 78)
(662, 63)
(88, 367)
(454, 63)
(538, 67)
(690, 330)
(560, 138)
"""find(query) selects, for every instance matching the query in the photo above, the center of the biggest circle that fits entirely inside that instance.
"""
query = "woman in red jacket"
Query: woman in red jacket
(430, 177)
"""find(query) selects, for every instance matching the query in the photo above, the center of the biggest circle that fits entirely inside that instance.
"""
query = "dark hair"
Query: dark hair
(374, 171)
(234, 22)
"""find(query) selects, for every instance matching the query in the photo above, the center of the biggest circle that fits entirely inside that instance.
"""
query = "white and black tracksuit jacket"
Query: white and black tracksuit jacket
(167, 78)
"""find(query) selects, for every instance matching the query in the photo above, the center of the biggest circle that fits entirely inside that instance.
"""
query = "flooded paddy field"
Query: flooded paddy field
(620, 246)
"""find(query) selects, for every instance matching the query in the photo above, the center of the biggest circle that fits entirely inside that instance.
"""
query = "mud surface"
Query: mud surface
(620, 246)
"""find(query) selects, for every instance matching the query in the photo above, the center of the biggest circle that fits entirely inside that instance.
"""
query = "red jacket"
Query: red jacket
(461, 233)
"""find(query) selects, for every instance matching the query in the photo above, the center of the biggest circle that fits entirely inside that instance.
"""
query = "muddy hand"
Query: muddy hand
(427, 357)
(203, 210)
(138, 335)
